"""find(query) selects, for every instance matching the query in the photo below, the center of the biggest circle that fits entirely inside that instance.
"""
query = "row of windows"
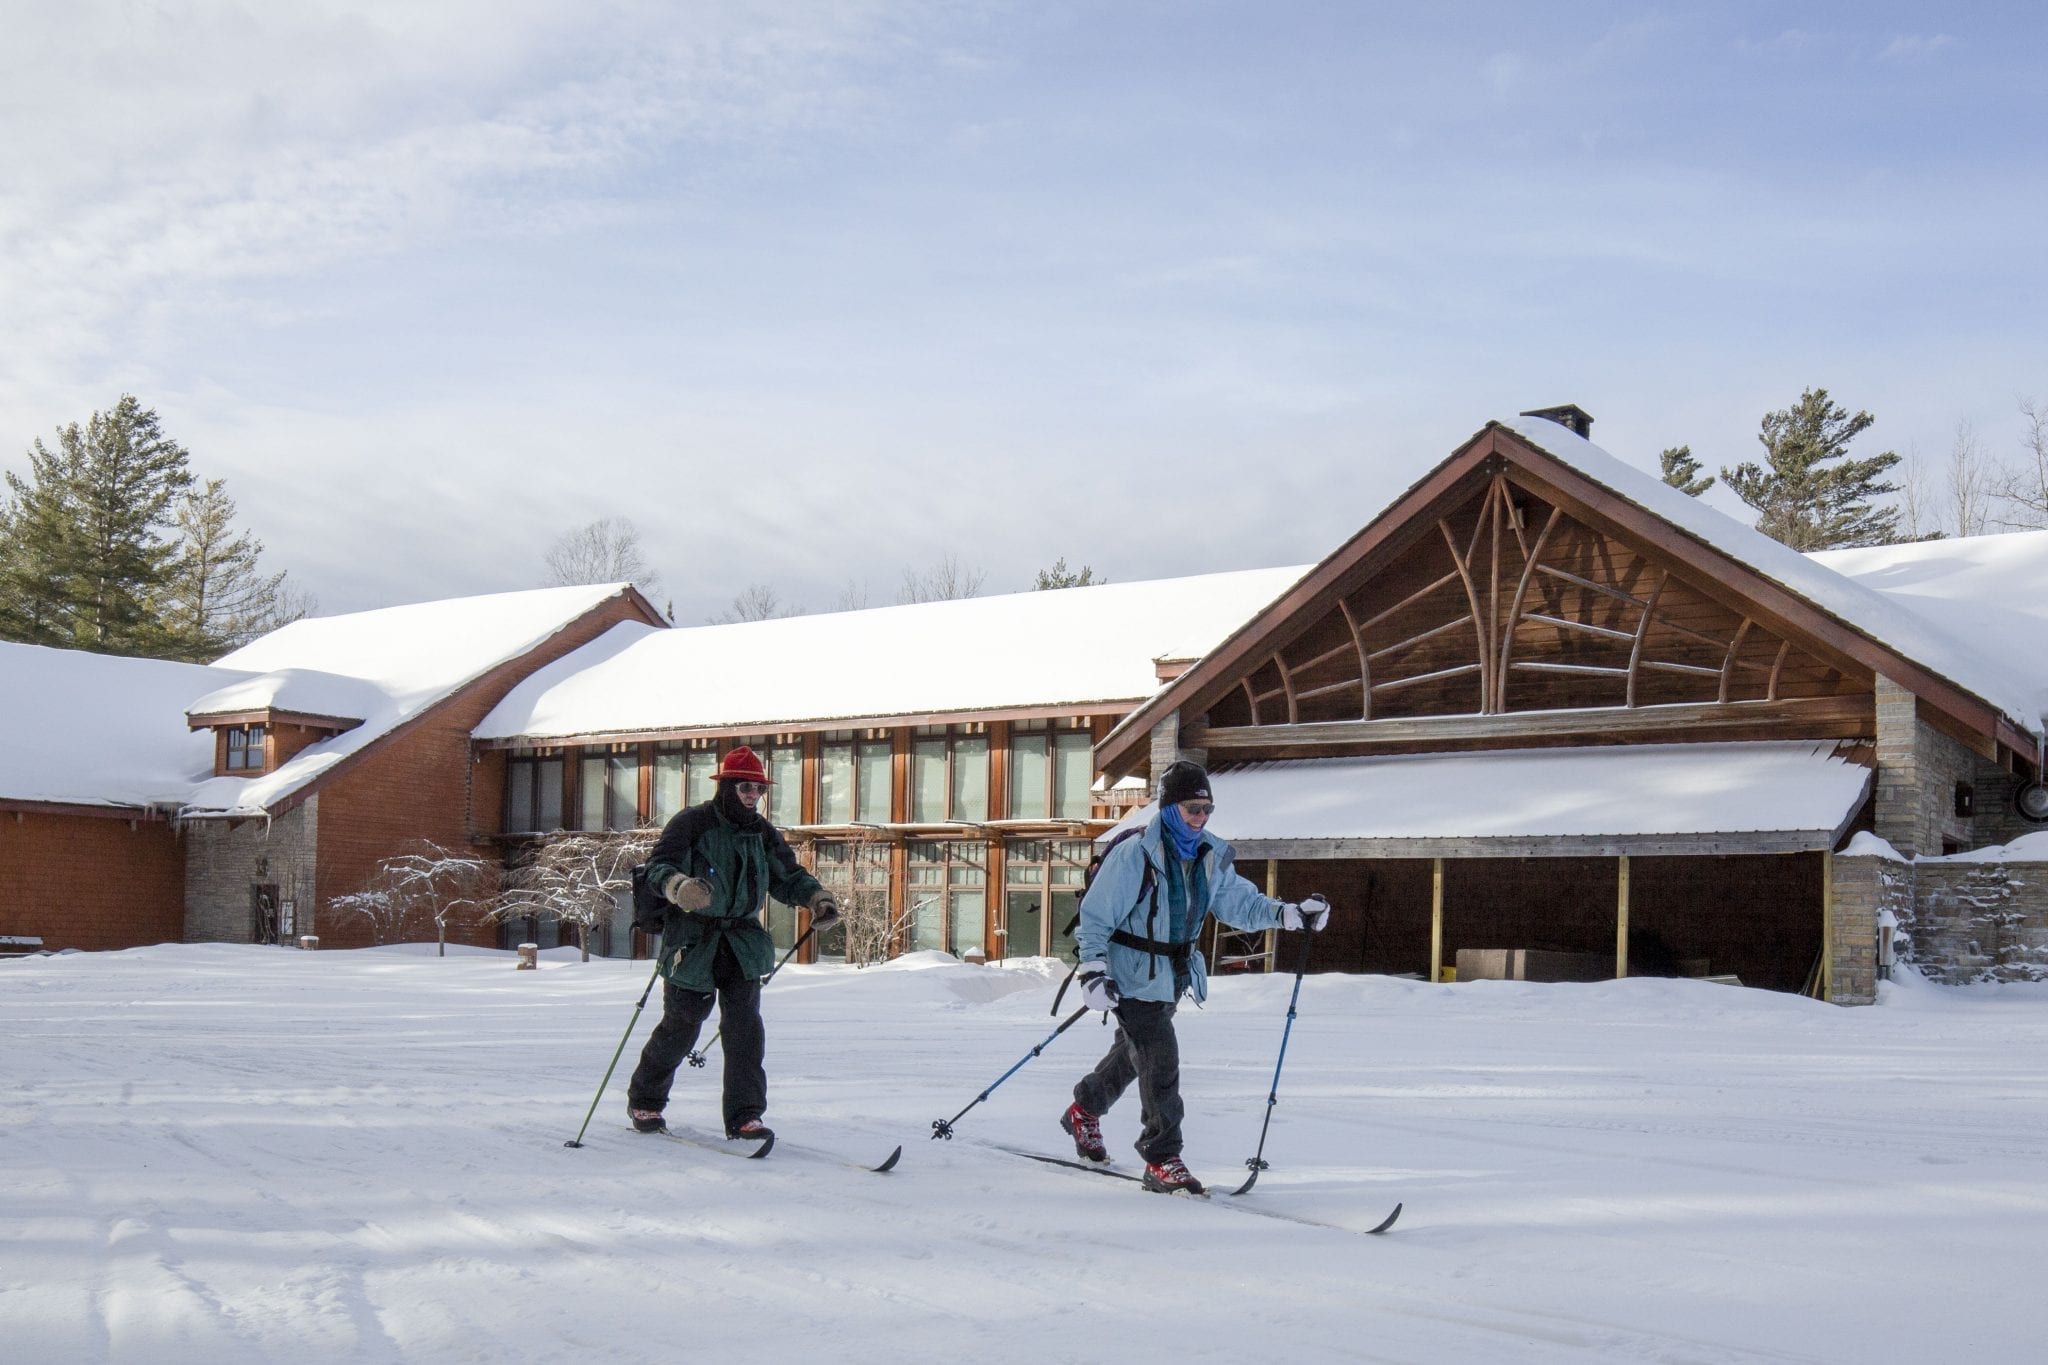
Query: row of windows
(946, 895)
(1051, 775)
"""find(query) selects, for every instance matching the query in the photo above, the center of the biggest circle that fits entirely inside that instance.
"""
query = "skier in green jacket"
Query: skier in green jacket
(714, 864)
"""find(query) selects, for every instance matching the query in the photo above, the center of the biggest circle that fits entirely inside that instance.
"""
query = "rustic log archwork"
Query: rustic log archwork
(1510, 605)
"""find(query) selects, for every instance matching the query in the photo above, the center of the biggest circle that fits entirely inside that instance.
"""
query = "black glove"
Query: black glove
(824, 911)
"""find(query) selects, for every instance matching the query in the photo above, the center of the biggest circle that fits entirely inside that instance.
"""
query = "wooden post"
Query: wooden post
(1621, 922)
(1436, 919)
(1273, 890)
(1827, 924)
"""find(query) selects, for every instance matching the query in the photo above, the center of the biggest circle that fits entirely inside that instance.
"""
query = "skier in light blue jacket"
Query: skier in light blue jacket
(1136, 944)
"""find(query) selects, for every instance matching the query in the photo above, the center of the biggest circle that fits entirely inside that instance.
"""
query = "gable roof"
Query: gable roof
(385, 667)
(1073, 647)
(98, 730)
(1997, 695)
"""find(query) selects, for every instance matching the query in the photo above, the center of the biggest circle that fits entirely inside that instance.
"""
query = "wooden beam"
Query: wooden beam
(1621, 919)
(1827, 924)
(1586, 721)
(1273, 890)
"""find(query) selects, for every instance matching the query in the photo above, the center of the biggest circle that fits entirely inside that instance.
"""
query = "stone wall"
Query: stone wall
(1861, 888)
(1963, 919)
(226, 859)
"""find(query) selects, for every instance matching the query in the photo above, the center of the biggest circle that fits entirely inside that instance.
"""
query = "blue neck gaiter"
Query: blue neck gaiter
(1185, 841)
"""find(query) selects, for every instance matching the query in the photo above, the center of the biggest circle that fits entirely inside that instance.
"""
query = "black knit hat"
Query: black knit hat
(1183, 781)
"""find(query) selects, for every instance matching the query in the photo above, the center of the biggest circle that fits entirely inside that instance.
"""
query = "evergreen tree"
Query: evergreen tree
(215, 597)
(87, 560)
(1811, 495)
(36, 553)
(1059, 576)
(1682, 471)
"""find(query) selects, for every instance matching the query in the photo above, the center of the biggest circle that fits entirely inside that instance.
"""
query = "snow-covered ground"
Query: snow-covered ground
(222, 1154)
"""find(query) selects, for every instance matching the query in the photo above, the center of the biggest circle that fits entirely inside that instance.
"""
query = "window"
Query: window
(1052, 770)
(857, 873)
(533, 791)
(245, 749)
(854, 777)
(949, 773)
(608, 787)
(683, 776)
(947, 889)
(1042, 897)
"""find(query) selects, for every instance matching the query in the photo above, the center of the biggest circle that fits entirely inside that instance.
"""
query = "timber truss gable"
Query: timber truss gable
(1502, 603)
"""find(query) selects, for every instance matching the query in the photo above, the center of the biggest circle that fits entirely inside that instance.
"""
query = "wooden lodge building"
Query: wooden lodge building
(1543, 717)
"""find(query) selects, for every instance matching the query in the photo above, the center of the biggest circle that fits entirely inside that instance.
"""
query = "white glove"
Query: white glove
(1312, 914)
(824, 911)
(687, 894)
(1098, 991)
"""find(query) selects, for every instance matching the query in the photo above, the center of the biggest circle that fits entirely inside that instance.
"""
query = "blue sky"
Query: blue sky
(817, 292)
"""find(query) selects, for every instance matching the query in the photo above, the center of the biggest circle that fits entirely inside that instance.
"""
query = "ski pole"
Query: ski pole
(943, 1128)
(1257, 1161)
(577, 1141)
(695, 1057)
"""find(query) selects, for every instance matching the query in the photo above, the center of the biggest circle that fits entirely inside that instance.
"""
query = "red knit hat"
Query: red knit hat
(742, 765)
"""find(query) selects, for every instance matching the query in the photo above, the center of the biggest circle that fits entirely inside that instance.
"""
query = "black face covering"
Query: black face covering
(727, 802)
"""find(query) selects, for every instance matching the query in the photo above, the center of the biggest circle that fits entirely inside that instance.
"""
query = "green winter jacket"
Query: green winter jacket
(744, 867)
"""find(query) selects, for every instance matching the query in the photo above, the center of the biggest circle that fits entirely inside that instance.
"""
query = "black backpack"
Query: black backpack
(650, 909)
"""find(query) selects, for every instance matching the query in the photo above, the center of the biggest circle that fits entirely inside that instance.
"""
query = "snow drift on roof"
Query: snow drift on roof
(1941, 650)
(1069, 647)
(93, 729)
(1634, 791)
(305, 691)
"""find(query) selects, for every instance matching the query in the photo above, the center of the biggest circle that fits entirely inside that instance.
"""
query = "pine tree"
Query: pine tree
(215, 596)
(87, 559)
(1059, 576)
(1682, 471)
(36, 554)
(1811, 495)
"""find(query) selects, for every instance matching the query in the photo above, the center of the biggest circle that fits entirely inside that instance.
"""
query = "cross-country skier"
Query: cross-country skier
(713, 864)
(1139, 922)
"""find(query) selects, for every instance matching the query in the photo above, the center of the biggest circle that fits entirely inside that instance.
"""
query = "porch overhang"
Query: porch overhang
(1607, 801)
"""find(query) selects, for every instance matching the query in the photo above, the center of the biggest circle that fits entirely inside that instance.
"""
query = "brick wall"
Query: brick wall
(95, 882)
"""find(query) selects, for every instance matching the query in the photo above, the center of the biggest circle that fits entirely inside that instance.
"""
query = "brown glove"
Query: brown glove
(687, 894)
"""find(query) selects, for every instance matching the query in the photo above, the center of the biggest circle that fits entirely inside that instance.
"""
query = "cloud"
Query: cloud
(1915, 47)
(158, 158)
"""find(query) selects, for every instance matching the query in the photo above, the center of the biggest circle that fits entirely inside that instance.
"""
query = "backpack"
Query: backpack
(650, 910)
(1095, 863)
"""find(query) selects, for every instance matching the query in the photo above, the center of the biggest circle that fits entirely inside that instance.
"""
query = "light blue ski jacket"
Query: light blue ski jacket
(1113, 902)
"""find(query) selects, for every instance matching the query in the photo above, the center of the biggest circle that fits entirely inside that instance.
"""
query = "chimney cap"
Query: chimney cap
(1568, 415)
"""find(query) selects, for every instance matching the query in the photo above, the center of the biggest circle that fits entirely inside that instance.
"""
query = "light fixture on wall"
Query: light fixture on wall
(2031, 801)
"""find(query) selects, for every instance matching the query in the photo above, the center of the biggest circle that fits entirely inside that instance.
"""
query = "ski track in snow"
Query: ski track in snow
(224, 1154)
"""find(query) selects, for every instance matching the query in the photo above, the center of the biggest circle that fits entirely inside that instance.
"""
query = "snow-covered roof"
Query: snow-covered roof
(1635, 792)
(1070, 647)
(1990, 670)
(1988, 589)
(93, 729)
(304, 691)
(384, 667)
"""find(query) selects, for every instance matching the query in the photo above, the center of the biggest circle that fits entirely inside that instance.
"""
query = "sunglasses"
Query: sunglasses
(1198, 807)
(751, 788)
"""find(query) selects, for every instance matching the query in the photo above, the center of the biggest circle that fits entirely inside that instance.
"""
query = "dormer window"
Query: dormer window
(245, 748)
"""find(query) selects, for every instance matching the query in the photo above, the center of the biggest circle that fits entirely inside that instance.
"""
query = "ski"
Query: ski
(733, 1147)
(1095, 1168)
(752, 1151)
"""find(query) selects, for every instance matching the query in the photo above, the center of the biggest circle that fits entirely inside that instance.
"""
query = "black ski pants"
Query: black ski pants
(743, 1038)
(1145, 1051)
